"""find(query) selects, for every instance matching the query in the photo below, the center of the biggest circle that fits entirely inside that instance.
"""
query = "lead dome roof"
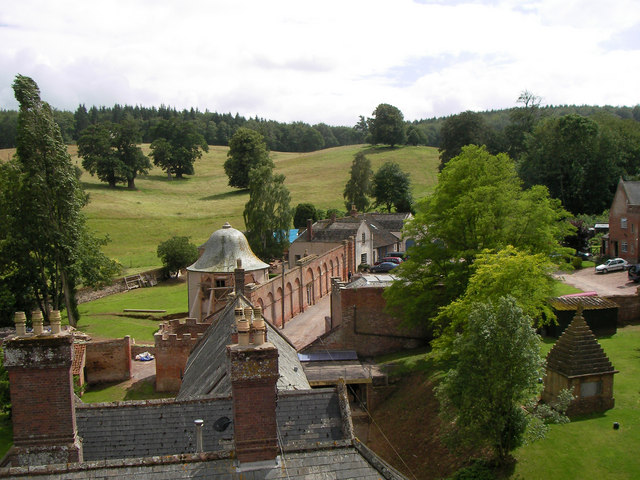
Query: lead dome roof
(222, 250)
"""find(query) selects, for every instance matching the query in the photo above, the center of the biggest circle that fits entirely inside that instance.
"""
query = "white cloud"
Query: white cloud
(327, 61)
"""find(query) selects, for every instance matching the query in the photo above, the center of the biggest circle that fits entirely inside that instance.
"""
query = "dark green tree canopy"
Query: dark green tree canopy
(359, 186)
(391, 188)
(177, 145)
(177, 253)
(478, 204)
(496, 373)
(247, 150)
(304, 212)
(580, 159)
(467, 128)
(387, 125)
(267, 214)
(111, 152)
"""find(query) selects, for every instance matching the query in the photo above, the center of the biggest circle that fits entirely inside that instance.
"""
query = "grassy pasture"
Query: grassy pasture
(138, 220)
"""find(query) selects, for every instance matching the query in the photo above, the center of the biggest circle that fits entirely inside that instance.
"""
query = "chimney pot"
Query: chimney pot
(20, 319)
(242, 324)
(54, 319)
(259, 327)
(36, 319)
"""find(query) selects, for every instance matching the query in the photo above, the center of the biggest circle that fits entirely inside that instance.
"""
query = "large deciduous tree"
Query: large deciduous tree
(176, 146)
(111, 152)
(44, 235)
(304, 212)
(267, 214)
(478, 204)
(247, 150)
(387, 126)
(391, 188)
(358, 188)
(496, 373)
(466, 128)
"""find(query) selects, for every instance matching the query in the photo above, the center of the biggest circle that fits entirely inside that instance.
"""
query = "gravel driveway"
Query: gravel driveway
(605, 284)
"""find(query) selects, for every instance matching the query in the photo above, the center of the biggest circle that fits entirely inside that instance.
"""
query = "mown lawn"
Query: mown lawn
(588, 447)
(105, 317)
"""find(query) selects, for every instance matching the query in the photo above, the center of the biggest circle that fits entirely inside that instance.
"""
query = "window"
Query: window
(623, 223)
(623, 247)
(221, 283)
(363, 258)
(590, 389)
(364, 238)
(632, 228)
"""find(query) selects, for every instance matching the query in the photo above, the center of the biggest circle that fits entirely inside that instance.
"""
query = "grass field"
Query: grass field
(138, 220)
(588, 447)
(105, 317)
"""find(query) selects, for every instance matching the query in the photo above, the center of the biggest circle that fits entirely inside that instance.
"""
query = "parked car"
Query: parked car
(383, 267)
(634, 273)
(397, 260)
(402, 255)
(585, 255)
(612, 265)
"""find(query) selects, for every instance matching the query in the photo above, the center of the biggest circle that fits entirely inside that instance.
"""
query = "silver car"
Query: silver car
(612, 265)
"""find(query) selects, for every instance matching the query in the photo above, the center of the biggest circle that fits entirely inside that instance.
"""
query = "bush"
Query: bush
(479, 470)
(177, 253)
(576, 262)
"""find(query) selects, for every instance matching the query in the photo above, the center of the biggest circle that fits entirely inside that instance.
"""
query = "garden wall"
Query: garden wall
(109, 361)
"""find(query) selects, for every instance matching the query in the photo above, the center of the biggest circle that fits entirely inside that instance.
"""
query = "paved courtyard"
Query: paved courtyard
(604, 284)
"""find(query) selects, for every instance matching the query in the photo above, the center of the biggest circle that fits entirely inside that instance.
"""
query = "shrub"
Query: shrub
(177, 253)
(576, 262)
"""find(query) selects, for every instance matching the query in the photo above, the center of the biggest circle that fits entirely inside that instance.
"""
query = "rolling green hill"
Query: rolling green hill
(138, 220)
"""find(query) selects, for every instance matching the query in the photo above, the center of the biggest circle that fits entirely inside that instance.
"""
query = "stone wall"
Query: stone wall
(109, 361)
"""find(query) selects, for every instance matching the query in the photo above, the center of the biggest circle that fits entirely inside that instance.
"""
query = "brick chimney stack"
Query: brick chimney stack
(253, 370)
(41, 385)
(354, 211)
(309, 229)
(238, 275)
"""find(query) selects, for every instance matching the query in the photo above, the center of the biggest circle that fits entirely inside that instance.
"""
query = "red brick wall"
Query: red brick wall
(617, 234)
(109, 361)
(365, 327)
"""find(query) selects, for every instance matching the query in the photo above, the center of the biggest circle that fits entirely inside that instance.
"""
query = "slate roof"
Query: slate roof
(222, 250)
(346, 460)
(577, 352)
(206, 369)
(632, 189)
(165, 427)
(342, 228)
(394, 222)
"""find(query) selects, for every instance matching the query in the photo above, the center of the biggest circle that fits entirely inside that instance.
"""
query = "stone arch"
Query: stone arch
(277, 306)
(308, 284)
(326, 277)
(260, 303)
(288, 298)
(298, 289)
(270, 308)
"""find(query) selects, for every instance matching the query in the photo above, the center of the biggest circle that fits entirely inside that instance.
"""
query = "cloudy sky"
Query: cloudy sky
(322, 61)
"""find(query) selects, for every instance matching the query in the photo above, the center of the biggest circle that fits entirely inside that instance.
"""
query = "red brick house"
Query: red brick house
(624, 222)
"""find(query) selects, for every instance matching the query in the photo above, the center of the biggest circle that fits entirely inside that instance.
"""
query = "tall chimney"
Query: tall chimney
(253, 370)
(354, 211)
(239, 277)
(41, 386)
(309, 229)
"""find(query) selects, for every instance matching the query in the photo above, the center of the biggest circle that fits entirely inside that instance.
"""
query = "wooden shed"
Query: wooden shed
(601, 314)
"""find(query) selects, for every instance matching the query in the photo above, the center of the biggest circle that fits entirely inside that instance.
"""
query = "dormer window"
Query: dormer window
(623, 223)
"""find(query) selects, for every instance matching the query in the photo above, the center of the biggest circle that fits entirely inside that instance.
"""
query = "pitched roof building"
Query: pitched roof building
(624, 222)
(374, 234)
(245, 410)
